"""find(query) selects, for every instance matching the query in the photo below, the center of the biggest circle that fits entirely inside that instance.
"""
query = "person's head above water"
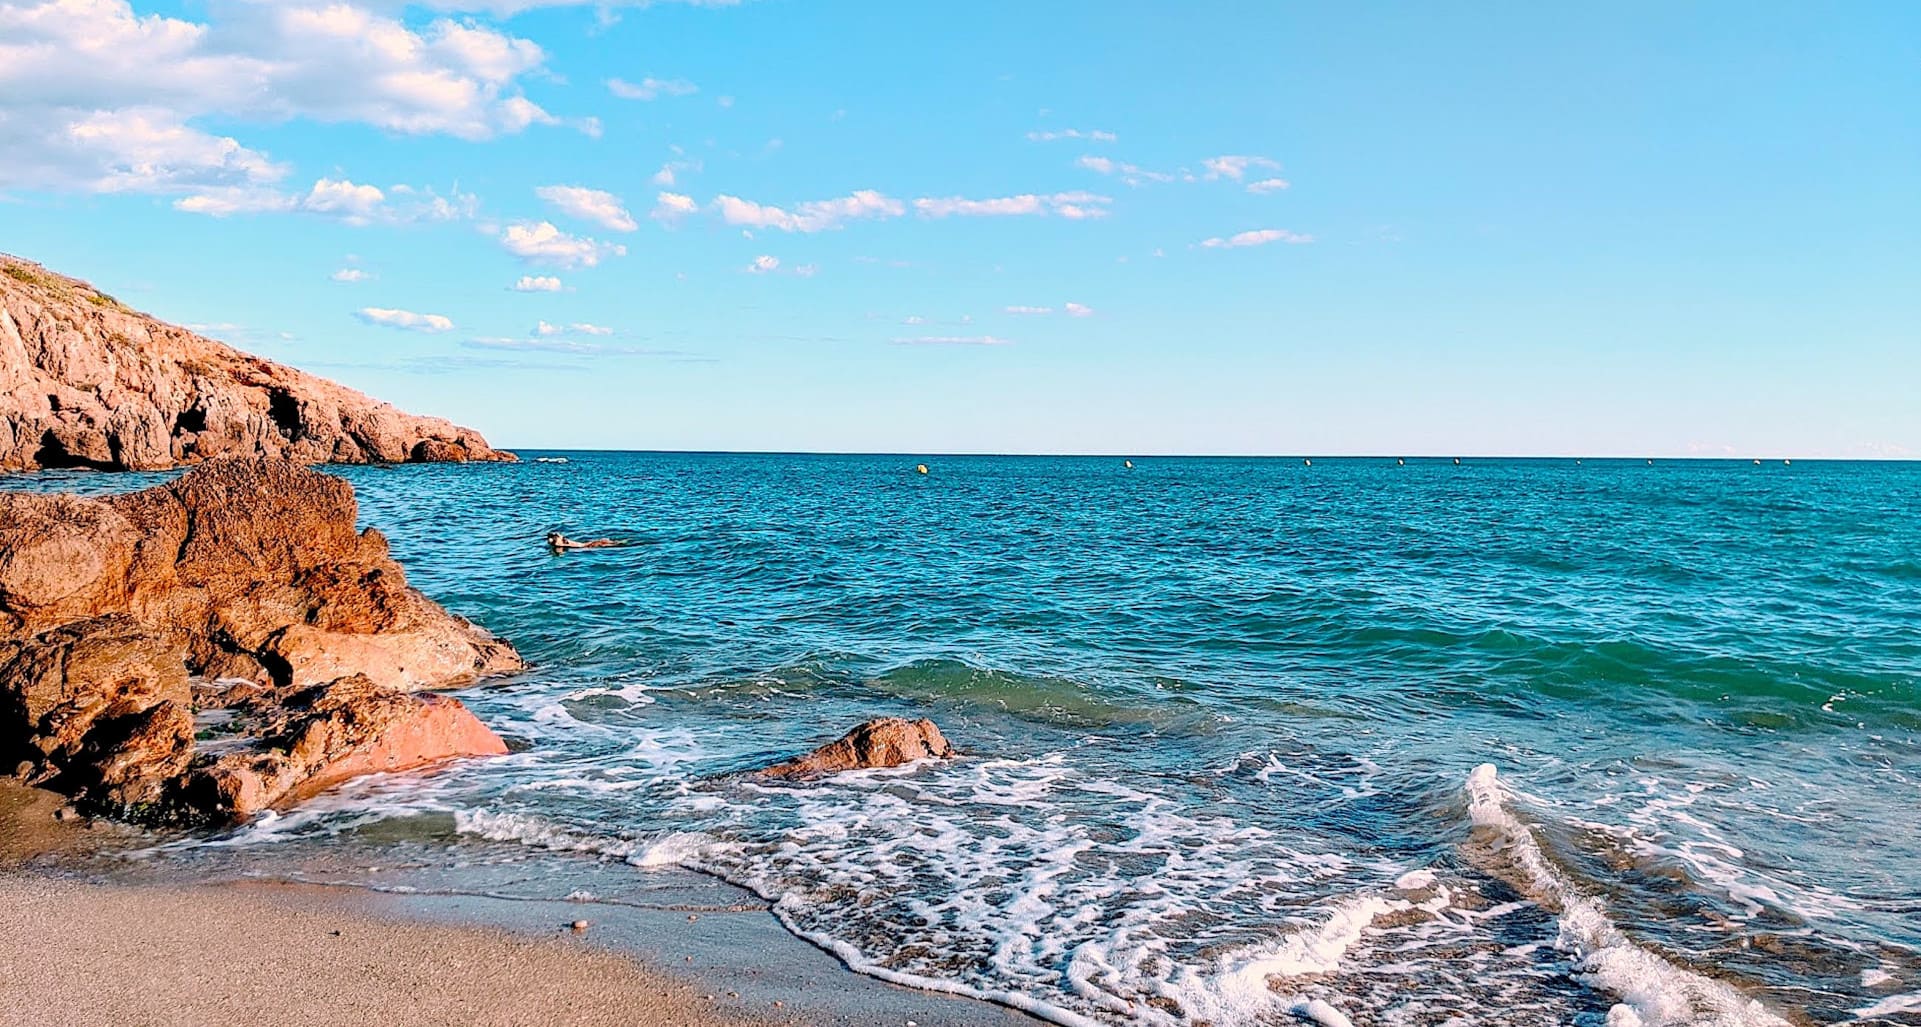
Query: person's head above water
(555, 536)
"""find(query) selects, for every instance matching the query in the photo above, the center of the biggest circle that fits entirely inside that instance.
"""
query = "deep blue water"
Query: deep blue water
(1227, 722)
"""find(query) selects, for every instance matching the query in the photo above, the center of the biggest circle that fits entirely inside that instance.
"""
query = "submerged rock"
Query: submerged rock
(87, 382)
(885, 742)
(251, 575)
(332, 733)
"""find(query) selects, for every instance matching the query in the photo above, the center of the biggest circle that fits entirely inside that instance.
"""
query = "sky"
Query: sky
(1634, 229)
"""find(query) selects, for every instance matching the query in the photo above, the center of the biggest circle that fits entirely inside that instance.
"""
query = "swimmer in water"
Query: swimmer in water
(560, 543)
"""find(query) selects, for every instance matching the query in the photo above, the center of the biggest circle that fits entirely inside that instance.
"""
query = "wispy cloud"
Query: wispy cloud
(350, 275)
(1078, 310)
(541, 243)
(953, 340)
(405, 319)
(602, 208)
(1235, 167)
(1073, 205)
(1035, 311)
(1267, 185)
(1257, 237)
(1092, 136)
(812, 215)
(651, 88)
(1131, 174)
(537, 283)
(670, 171)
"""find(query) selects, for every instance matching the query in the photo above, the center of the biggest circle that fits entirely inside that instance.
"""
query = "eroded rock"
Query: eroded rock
(249, 575)
(885, 742)
(245, 565)
(100, 708)
(332, 733)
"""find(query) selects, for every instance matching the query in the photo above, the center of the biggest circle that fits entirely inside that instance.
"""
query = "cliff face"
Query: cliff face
(87, 382)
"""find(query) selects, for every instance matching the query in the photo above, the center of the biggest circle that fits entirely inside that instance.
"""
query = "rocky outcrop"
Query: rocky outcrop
(886, 742)
(252, 567)
(332, 733)
(87, 382)
(99, 706)
(250, 575)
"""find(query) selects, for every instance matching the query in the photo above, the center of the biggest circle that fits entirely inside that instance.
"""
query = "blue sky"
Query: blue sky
(1631, 229)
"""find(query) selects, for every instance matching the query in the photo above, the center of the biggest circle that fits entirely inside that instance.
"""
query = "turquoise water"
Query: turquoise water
(1247, 741)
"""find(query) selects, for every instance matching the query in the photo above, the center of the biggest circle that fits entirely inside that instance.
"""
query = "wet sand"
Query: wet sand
(77, 952)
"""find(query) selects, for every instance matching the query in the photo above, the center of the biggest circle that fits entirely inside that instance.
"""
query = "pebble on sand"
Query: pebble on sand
(578, 926)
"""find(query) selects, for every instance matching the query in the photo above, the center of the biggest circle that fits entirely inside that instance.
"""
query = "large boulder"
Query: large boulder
(87, 382)
(250, 575)
(885, 742)
(100, 708)
(239, 562)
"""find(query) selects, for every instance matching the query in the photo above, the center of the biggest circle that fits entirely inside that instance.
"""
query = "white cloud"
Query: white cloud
(1236, 167)
(407, 319)
(913, 319)
(1078, 310)
(96, 97)
(584, 328)
(537, 283)
(539, 242)
(650, 88)
(1095, 135)
(764, 264)
(953, 340)
(355, 204)
(602, 208)
(345, 200)
(669, 172)
(671, 207)
(1073, 205)
(1267, 185)
(1028, 310)
(1258, 237)
(1132, 174)
(547, 330)
(544, 329)
(806, 270)
(351, 274)
(811, 216)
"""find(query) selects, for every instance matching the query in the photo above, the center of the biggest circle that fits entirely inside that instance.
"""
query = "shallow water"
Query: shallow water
(1511, 742)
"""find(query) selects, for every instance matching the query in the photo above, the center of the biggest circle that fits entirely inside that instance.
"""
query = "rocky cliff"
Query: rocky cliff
(241, 587)
(87, 382)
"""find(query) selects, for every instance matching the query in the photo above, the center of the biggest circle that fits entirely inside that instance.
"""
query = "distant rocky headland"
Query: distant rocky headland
(87, 382)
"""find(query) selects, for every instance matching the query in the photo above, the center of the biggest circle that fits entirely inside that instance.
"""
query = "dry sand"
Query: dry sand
(90, 955)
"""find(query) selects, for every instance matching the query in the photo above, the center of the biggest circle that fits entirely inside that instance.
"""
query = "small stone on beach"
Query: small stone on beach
(691, 917)
(578, 926)
(66, 814)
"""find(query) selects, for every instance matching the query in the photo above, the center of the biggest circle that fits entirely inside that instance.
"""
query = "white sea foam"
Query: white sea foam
(1651, 991)
(1908, 1003)
(668, 849)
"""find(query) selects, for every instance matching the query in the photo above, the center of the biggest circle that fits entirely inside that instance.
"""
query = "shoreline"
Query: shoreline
(276, 951)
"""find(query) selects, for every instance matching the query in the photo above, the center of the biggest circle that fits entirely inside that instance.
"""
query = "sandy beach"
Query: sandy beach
(270, 952)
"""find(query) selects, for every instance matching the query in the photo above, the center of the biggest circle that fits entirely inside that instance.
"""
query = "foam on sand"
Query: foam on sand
(1650, 991)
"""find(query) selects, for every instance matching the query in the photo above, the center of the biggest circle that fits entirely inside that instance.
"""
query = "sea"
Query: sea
(1243, 741)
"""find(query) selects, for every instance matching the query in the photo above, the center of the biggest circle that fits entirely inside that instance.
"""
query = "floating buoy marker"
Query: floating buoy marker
(1400, 462)
(1307, 463)
(1457, 461)
(1129, 464)
(920, 468)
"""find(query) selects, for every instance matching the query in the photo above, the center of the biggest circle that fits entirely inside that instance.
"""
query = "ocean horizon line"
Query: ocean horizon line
(1127, 455)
